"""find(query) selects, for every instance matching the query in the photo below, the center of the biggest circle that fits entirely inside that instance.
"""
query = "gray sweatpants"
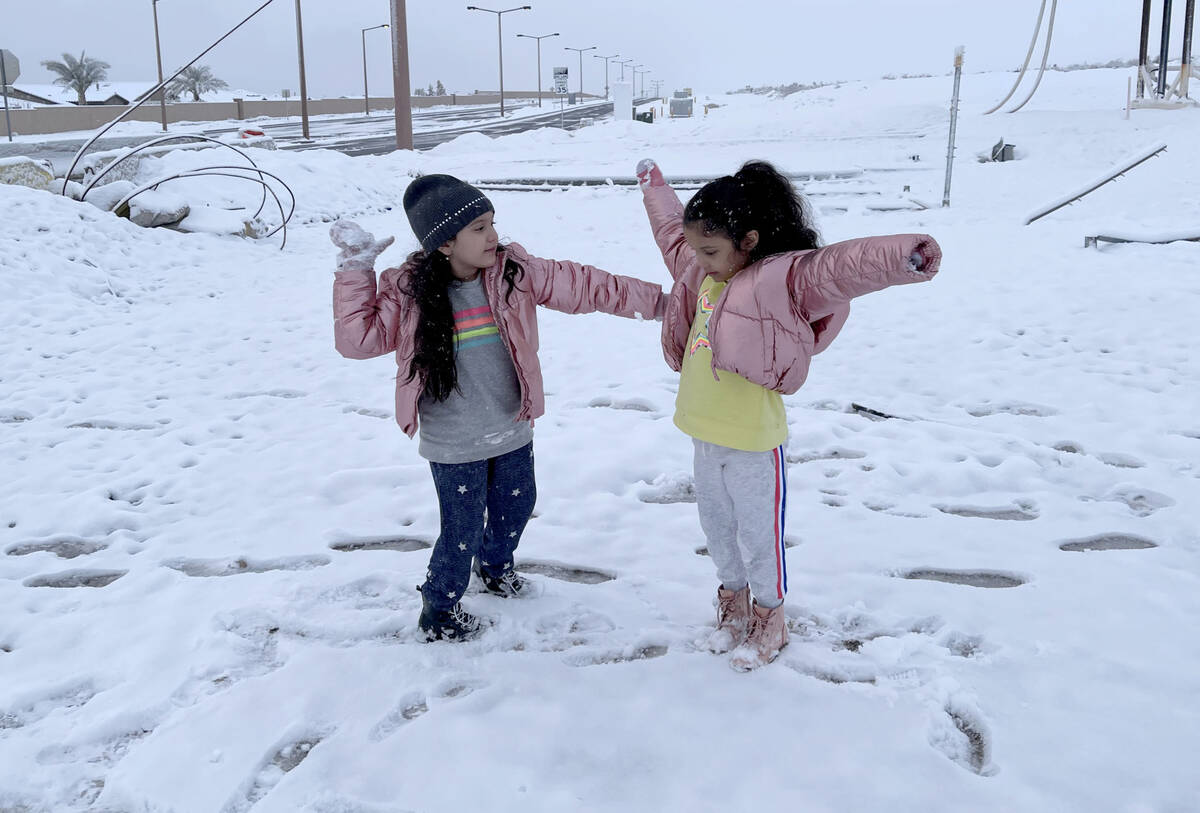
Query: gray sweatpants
(742, 497)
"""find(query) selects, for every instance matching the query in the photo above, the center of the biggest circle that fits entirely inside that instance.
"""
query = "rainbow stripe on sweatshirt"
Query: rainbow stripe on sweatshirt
(475, 327)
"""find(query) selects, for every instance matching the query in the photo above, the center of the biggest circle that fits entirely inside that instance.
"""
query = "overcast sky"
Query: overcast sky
(712, 45)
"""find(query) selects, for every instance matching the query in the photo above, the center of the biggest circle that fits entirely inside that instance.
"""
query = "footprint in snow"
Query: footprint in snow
(64, 547)
(1019, 512)
(76, 578)
(666, 490)
(232, 567)
(30, 712)
(1141, 501)
(1113, 541)
(280, 393)
(367, 412)
(566, 573)
(970, 578)
(633, 404)
(272, 770)
(628, 655)
(962, 734)
(834, 453)
(413, 705)
(404, 544)
(1021, 408)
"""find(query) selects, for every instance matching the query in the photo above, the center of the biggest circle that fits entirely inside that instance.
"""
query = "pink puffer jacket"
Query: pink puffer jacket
(371, 321)
(779, 312)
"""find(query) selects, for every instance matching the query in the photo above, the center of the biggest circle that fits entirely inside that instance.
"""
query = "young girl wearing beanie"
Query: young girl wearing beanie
(460, 315)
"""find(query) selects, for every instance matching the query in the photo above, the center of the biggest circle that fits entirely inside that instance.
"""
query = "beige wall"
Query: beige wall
(67, 118)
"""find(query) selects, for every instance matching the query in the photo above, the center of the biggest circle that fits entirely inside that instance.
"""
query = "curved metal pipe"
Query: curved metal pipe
(1045, 56)
(150, 94)
(160, 140)
(1037, 29)
(230, 172)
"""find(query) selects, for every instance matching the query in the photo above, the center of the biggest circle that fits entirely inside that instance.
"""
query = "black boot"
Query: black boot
(510, 585)
(454, 624)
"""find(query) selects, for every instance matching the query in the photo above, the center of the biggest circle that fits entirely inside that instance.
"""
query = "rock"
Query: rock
(154, 208)
(23, 171)
(110, 194)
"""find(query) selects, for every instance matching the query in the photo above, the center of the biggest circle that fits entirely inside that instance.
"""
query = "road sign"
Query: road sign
(10, 65)
(560, 80)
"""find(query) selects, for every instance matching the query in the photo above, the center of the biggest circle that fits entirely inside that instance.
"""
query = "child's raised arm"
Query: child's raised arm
(365, 320)
(666, 217)
(574, 288)
(823, 281)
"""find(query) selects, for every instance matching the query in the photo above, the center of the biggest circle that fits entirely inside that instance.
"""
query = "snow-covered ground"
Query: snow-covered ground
(212, 528)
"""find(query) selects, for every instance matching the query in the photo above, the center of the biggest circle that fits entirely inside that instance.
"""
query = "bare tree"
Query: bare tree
(196, 80)
(78, 74)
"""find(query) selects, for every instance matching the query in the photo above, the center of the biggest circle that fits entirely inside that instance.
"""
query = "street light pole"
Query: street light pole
(162, 94)
(635, 79)
(581, 52)
(500, 42)
(303, 82)
(605, 58)
(366, 95)
(401, 89)
(539, 59)
(621, 62)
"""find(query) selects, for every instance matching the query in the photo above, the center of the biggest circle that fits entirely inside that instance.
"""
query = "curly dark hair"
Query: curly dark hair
(757, 198)
(428, 287)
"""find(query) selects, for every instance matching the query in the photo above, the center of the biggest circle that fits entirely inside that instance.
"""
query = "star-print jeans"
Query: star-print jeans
(485, 505)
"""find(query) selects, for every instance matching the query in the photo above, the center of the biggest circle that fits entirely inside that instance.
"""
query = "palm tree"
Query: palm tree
(78, 74)
(196, 80)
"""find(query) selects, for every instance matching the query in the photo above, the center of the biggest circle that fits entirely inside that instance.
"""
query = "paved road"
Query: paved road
(353, 135)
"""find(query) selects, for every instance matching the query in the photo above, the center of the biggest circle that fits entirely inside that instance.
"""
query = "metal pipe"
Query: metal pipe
(303, 83)
(1163, 53)
(1189, 16)
(1037, 29)
(1045, 57)
(150, 95)
(401, 89)
(162, 94)
(1144, 49)
(958, 66)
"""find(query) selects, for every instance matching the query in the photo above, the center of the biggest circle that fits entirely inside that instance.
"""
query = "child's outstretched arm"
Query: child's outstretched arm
(666, 217)
(365, 319)
(574, 288)
(822, 282)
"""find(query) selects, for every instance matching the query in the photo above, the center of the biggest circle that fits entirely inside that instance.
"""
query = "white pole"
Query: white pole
(958, 64)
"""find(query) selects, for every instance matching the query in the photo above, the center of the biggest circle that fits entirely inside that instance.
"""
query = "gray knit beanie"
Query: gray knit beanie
(440, 206)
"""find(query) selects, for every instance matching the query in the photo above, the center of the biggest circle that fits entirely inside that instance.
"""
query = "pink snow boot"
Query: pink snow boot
(733, 618)
(768, 635)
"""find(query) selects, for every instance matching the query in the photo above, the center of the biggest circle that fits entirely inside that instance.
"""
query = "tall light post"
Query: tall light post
(303, 81)
(635, 79)
(581, 52)
(162, 94)
(500, 41)
(605, 58)
(621, 62)
(539, 53)
(401, 89)
(366, 95)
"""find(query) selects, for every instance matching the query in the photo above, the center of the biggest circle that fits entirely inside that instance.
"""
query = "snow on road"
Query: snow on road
(212, 528)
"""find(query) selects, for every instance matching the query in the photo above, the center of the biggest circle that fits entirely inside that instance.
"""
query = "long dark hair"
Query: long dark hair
(757, 198)
(434, 346)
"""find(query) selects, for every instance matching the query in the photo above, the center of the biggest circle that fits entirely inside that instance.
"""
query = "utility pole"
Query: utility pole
(958, 66)
(366, 93)
(539, 59)
(303, 82)
(500, 41)
(162, 94)
(581, 52)
(605, 58)
(400, 86)
(621, 62)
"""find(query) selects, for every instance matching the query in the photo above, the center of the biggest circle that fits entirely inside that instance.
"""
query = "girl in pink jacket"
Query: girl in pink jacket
(460, 316)
(754, 298)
